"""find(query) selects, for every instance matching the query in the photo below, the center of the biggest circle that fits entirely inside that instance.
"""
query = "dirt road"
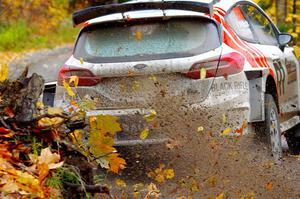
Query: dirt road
(205, 164)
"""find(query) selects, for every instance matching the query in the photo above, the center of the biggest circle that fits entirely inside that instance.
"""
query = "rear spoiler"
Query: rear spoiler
(99, 11)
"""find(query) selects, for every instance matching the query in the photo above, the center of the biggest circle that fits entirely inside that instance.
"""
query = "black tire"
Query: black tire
(293, 140)
(269, 130)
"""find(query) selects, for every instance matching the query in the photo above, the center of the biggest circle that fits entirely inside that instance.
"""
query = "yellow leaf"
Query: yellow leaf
(200, 129)
(136, 195)
(3, 72)
(144, 134)
(194, 186)
(169, 173)
(81, 60)
(202, 73)
(226, 131)
(153, 78)
(160, 178)
(120, 183)
(221, 196)
(153, 191)
(46, 122)
(151, 116)
(40, 105)
(138, 35)
(68, 89)
(74, 81)
(298, 157)
(53, 111)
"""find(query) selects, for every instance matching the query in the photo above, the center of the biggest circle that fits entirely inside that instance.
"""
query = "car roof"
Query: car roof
(223, 4)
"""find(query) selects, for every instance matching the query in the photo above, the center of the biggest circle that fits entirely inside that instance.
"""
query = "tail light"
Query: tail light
(231, 63)
(85, 76)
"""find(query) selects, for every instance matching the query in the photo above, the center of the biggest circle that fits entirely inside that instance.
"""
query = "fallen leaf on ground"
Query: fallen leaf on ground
(120, 183)
(200, 129)
(221, 196)
(269, 186)
(195, 187)
(153, 191)
(53, 111)
(49, 158)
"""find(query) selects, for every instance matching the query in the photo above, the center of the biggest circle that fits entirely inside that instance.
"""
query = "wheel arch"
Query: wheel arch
(271, 88)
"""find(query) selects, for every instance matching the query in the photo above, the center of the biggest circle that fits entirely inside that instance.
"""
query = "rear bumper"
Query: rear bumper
(229, 99)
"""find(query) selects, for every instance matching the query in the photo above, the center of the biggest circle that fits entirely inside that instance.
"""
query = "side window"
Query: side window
(261, 25)
(240, 25)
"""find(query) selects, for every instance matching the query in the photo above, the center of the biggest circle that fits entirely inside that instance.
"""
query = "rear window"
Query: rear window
(147, 40)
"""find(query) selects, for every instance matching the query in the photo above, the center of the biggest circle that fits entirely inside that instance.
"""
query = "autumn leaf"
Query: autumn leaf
(221, 196)
(195, 187)
(40, 105)
(200, 129)
(202, 73)
(160, 174)
(50, 159)
(226, 131)
(151, 116)
(269, 186)
(68, 89)
(153, 191)
(169, 173)
(74, 80)
(120, 183)
(105, 124)
(48, 122)
(101, 140)
(3, 72)
(144, 134)
(53, 111)
(138, 35)
(81, 60)
(116, 163)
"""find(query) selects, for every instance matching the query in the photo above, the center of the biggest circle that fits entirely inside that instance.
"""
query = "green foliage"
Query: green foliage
(62, 175)
(36, 146)
(13, 35)
(19, 36)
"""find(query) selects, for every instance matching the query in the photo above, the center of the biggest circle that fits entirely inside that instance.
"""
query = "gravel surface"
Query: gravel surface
(45, 62)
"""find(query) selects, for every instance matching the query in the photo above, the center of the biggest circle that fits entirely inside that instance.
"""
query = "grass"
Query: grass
(19, 37)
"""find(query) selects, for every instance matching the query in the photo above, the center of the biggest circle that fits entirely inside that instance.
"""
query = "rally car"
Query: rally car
(221, 55)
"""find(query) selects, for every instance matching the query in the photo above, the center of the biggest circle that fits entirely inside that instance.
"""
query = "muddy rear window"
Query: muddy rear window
(147, 40)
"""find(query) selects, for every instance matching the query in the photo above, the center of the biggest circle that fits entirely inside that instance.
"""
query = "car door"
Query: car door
(277, 58)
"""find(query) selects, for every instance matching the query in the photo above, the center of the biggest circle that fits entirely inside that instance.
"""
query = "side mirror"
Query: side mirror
(284, 39)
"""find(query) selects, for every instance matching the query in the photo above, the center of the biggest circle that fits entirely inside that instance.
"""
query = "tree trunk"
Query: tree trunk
(280, 11)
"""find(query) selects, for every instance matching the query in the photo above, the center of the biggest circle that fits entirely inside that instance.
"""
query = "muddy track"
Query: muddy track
(217, 164)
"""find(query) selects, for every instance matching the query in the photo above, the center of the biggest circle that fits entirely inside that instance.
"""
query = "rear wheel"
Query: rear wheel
(269, 130)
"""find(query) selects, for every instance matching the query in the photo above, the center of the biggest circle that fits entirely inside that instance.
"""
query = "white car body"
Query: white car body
(239, 96)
